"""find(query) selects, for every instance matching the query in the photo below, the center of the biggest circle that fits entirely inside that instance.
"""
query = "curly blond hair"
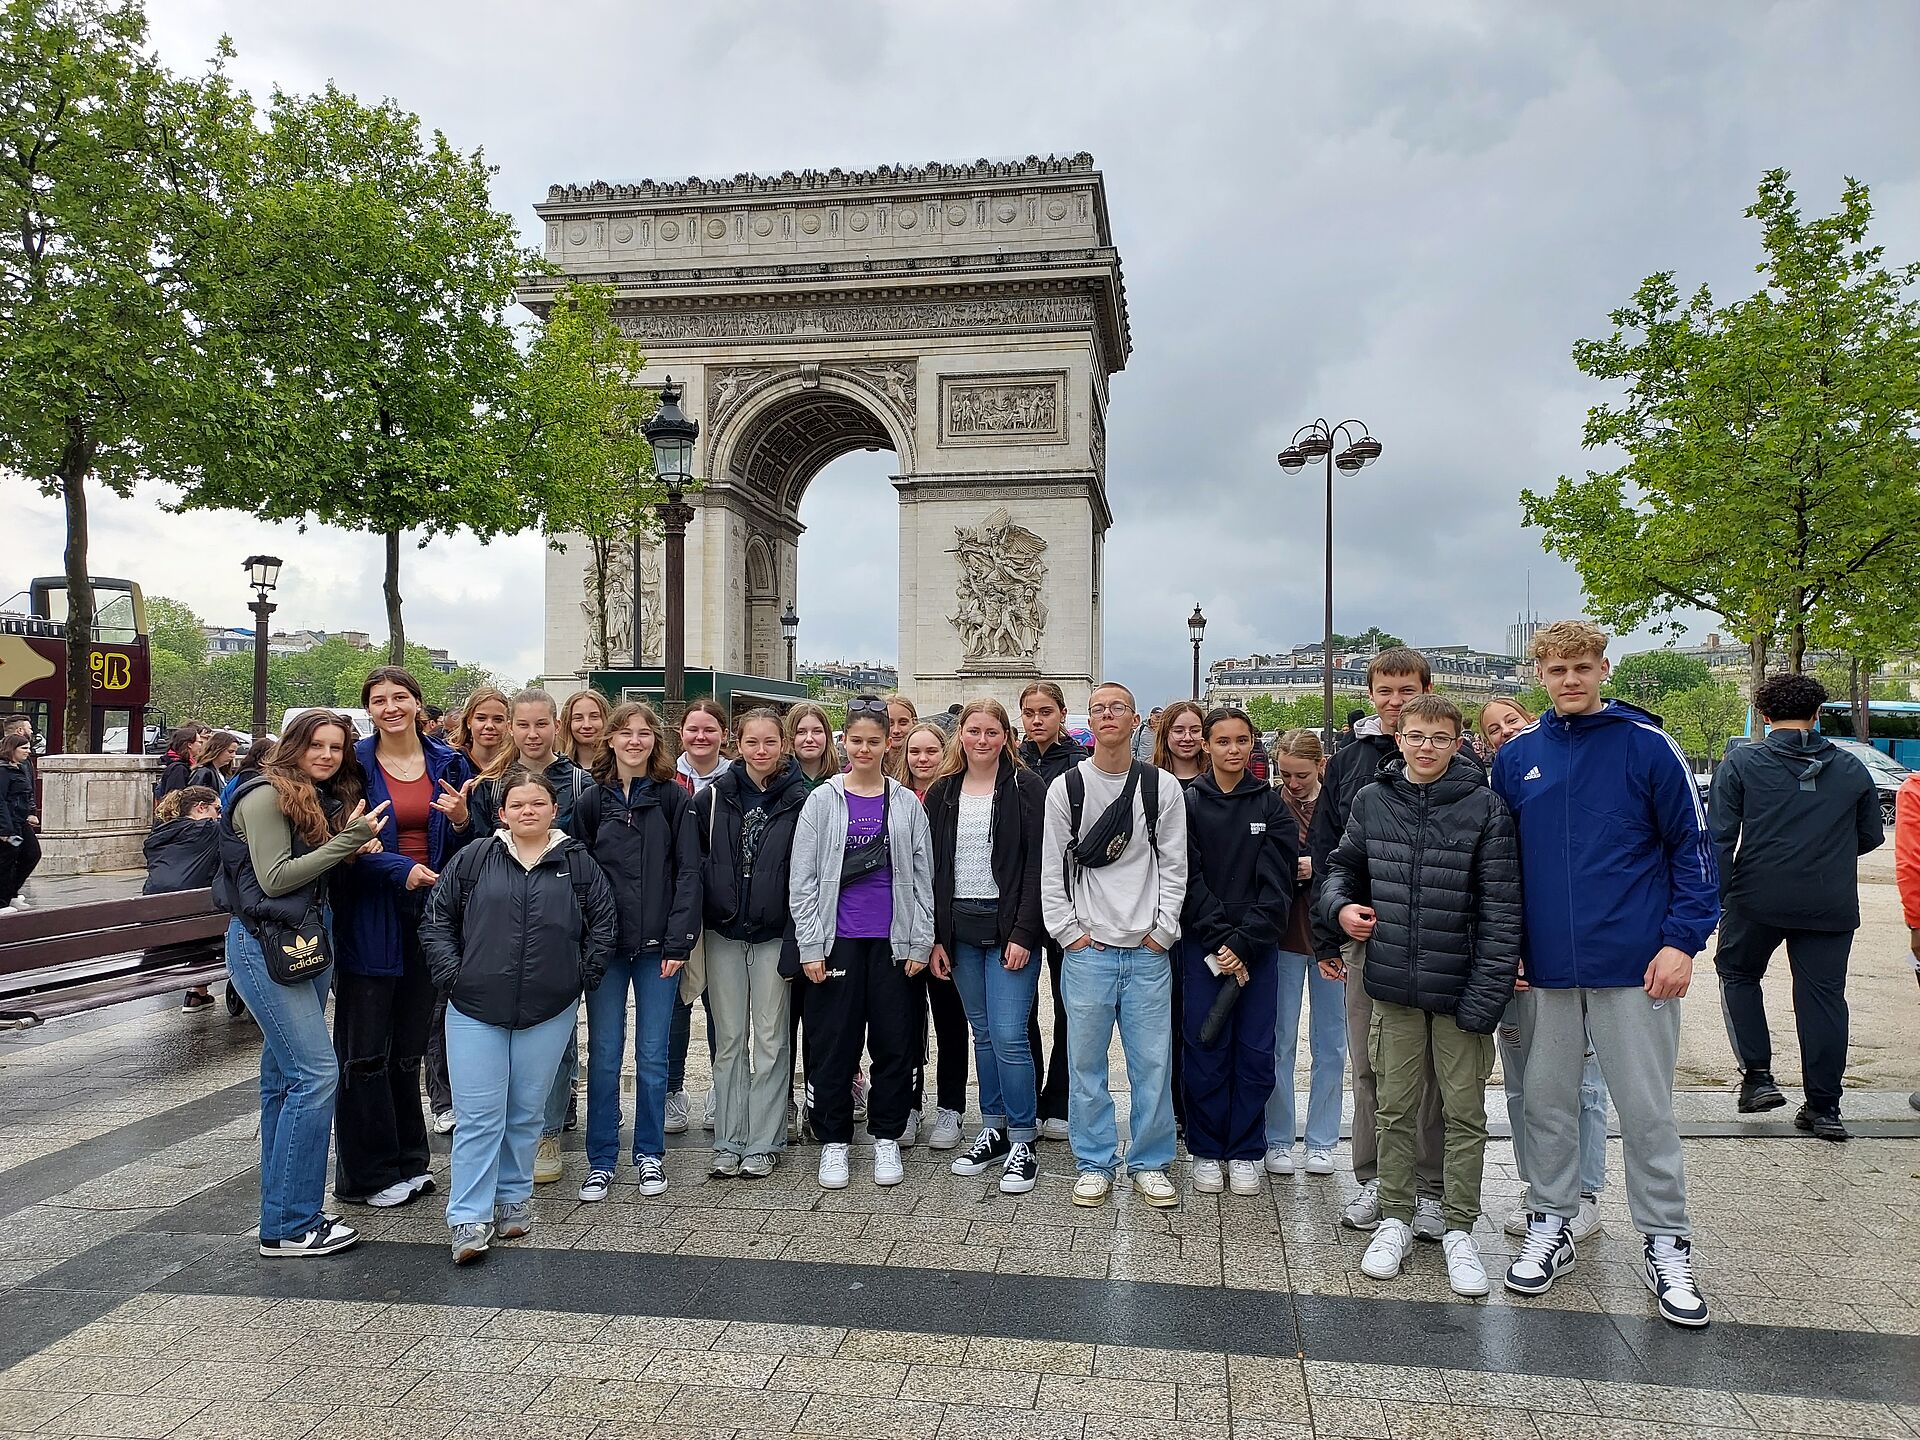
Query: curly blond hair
(1568, 640)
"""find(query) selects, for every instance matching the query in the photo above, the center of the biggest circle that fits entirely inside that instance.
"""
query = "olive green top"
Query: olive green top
(269, 835)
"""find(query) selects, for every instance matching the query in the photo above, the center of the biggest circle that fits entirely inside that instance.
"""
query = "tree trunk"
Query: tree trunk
(602, 565)
(396, 628)
(1857, 698)
(1756, 664)
(1797, 646)
(76, 463)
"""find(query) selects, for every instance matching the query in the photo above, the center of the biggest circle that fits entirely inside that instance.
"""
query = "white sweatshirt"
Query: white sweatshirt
(1138, 895)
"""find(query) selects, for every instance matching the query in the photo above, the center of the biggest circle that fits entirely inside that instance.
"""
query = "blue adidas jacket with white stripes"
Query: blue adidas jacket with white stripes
(1616, 859)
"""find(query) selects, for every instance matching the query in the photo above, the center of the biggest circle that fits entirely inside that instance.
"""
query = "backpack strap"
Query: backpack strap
(586, 814)
(581, 879)
(1076, 801)
(1150, 802)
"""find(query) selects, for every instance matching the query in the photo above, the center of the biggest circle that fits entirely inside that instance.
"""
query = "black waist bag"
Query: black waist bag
(976, 922)
(1106, 840)
(294, 952)
(858, 862)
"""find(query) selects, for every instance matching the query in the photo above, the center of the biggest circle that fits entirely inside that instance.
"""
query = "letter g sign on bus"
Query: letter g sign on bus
(111, 671)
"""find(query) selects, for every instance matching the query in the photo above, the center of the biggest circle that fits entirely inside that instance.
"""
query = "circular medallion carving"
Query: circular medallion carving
(907, 219)
(810, 224)
(857, 221)
(716, 229)
(1056, 209)
(623, 233)
(763, 226)
(1005, 214)
(670, 230)
(577, 235)
(956, 214)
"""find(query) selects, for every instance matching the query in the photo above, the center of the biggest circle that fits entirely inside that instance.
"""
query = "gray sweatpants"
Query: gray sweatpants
(747, 997)
(1637, 1042)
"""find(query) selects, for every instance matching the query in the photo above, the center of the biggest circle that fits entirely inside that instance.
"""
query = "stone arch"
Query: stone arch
(763, 600)
(791, 424)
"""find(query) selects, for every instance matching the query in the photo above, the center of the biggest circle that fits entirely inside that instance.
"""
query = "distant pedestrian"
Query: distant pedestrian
(1790, 815)
(1147, 736)
(182, 853)
(184, 749)
(16, 805)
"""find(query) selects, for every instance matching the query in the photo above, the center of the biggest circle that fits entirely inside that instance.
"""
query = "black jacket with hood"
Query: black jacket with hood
(181, 854)
(1019, 817)
(1242, 849)
(1440, 865)
(16, 799)
(742, 903)
(643, 838)
(1061, 756)
(513, 946)
(1789, 817)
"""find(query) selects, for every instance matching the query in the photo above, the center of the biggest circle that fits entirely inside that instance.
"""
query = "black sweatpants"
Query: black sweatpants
(866, 1002)
(1050, 1074)
(940, 999)
(380, 1025)
(1818, 960)
(439, 1083)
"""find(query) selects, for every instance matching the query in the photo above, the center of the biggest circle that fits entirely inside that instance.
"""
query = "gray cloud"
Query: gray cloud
(1406, 213)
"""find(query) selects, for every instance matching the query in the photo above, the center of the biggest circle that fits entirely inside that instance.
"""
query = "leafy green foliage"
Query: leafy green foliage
(1703, 717)
(1302, 712)
(1647, 679)
(1372, 638)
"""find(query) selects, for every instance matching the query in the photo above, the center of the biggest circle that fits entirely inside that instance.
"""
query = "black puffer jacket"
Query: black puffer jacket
(1242, 849)
(513, 946)
(181, 855)
(16, 798)
(749, 903)
(1019, 816)
(643, 837)
(1061, 756)
(1440, 866)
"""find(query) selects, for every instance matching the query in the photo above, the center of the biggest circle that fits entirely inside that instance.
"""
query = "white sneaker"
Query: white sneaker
(1363, 1211)
(676, 1117)
(1669, 1275)
(912, 1131)
(1155, 1188)
(1585, 1221)
(443, 1123)
(1052, 1129)
(946, 1130)
(706, 1116)
(15, 910)
(1319, 1162)
(401, 1192)
(20, 902)
(1091, 1188)
(886, 1163)
(1207, 1179)
(1517, 1221)
(833, 1167)
(1465, 1273)
(1429, 1220)
(1244, 1177)
(1544, 1255)
(1279, 1160)
(1391, 1242)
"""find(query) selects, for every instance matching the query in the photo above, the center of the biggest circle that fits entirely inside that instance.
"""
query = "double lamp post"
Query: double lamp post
(1312, 442)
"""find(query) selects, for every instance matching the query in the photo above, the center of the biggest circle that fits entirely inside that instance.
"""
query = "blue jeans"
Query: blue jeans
(998, 1002)
(553, 1116)
(500, 1080)
(1104, 986)
(1326, 1042)
(1593, 1102)
(653, 1005)
(299, 1074)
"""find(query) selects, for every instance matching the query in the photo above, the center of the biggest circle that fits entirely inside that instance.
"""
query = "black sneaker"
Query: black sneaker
(329, 1236)
(572, 1122)
(1020, 1171)
(1758, 1092)
(194, 1000)
(990, 1145)
(1668, 1272)
(1822, 1124)
(1545, 1253)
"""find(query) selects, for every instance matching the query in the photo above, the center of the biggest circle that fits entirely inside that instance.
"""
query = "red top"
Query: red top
(412, 807)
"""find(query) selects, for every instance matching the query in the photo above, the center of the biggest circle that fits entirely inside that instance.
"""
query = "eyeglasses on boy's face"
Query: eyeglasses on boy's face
(1419, 740)
(1109, 707)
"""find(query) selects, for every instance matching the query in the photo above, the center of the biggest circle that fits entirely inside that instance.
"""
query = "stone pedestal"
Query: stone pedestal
(95, 812)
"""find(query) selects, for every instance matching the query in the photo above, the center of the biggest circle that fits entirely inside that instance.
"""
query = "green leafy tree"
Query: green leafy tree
(1771, 443)
(1646, 679)
(1703, 718)
(112, 176)
(174, 628)
(1372, 638)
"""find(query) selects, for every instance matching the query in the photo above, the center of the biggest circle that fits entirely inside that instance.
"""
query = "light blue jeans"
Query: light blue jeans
(1103, 987)
(299, 1075)
(1593, 1101)
(653, 1002)
(566, 1070)
(500, 1080)
(998, 1001)
(1327, 1044)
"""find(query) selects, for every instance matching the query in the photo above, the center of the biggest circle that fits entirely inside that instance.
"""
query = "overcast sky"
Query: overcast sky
(1403, 212)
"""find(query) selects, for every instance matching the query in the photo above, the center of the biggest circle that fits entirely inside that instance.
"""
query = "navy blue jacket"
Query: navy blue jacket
(1615, 857)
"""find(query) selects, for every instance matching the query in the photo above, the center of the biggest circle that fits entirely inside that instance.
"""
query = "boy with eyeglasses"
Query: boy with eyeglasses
(1428, 876)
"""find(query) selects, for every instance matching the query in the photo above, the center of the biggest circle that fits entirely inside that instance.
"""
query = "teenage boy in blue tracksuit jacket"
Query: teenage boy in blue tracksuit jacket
(1619, 895)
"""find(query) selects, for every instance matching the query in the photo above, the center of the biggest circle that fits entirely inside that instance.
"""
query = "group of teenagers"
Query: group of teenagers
(1410, 901)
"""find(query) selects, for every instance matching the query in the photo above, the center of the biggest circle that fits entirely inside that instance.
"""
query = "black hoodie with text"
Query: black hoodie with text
(1242, 849)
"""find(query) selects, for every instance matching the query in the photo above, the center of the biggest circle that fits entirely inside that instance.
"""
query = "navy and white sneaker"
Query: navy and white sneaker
(1668, 1271)
(1545, 1254)
(988, 1146)
(329, 1237)
(1020, 1171)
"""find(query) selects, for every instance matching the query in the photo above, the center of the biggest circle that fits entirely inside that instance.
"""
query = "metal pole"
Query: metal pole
(1196, 670)
(790, 668)
(675, 516)
(262, 608)
(1326, 652)
(633, 603)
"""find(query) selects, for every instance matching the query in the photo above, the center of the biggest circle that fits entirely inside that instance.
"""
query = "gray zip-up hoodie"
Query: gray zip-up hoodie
(819, 846)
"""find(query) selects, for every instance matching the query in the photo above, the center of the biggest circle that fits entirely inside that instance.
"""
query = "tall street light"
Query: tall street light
(790, 629)
(671, 434)
(263, 573)
(1311, 442)
(1196, 632)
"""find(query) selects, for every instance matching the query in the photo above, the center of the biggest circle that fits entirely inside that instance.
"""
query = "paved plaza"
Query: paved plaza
(134, 1306)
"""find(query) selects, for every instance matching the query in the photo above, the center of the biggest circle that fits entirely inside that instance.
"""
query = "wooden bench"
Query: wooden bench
(65, 960)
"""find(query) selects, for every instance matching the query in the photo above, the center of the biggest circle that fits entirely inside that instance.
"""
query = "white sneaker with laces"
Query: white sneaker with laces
(1155, 1188)
(1319, 1162)
(1586, 1220)
(833, 1167)
(1279, 1160)
(1429, 1220)
(1465, 1273)
(1545, 1253)
(1092, 1188)
(1207, 1179)
(912, 1131)
(887, 1169)
(1363, 1211)
(946, 1130)
(676, 1114)
(595, 1187)
(1245, 1177)
(1668, 1272)
(1391, 1242)
(443, 1122)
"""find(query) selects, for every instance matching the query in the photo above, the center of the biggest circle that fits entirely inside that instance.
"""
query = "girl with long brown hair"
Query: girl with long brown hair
(810, 741)
(584, 728)
(1179, 747)
(483, 731)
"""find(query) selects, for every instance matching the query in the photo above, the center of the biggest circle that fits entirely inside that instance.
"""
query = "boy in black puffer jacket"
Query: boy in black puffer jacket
(1428, 875)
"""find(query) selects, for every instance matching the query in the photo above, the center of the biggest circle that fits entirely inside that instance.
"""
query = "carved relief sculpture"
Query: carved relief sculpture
(1003, 572)
(992, 411)
(653, 610)
(608, 607)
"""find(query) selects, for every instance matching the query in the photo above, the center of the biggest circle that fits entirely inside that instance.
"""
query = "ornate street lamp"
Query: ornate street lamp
(1359, 449)
(1196, 632)
(263, 573)
(790, 630)
(671, 434)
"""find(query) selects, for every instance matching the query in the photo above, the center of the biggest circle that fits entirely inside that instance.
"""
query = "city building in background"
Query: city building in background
(849, 677)
(1460, 671)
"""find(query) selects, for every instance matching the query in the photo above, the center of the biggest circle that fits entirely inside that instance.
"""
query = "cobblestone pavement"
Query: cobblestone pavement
(132, 1305)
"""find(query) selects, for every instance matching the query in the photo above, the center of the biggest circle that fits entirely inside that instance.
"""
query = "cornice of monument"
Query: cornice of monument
(745, 186)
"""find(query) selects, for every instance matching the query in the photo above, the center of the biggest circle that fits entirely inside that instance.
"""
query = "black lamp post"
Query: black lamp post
(263, 573)
(1196, 632)
(790, 629)
(671, 434)
(1311, 442)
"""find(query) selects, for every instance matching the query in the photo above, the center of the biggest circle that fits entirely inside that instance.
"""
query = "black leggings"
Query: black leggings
(954, 1039)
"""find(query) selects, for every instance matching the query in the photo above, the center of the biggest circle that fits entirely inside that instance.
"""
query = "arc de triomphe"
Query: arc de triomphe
(966, 317)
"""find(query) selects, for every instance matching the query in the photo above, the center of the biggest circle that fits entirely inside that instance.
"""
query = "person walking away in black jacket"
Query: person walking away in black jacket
(183, 852)
(637, 822)
(16, 807)
(1789, 818)
(1049, 752)
(516, 928)
(743, 827)
(1242, 853)
(1394, 677)
(1428, 875)
(986, 812)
